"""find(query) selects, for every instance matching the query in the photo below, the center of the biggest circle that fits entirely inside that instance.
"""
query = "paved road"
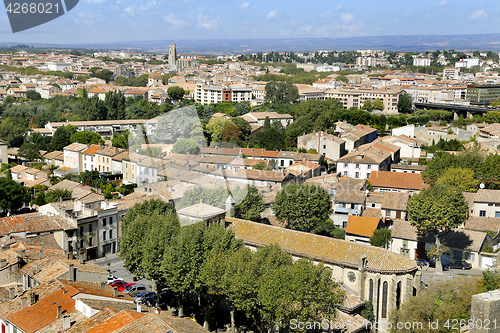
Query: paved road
(117, 269)
(430, 274)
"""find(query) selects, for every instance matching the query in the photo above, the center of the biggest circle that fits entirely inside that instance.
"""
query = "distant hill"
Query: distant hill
(483, 42)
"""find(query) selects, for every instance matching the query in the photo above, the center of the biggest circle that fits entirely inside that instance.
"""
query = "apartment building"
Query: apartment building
(105, 158)
(73, 157)
(357, 97)
(214, 94)
(89, 158)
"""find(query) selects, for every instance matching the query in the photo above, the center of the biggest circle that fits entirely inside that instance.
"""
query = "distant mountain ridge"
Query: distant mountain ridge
(419, 43)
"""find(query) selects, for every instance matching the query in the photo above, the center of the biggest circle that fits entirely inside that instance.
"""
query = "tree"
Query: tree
(33, 95)
(61, 138)
(327, 228)
(302, 207)
(215, 127)
(281, 92)
(104, 74)
(440, 301)
(186, 146)
(135, 226)
(86, 137)
(12, 130)
(378, 104)
(91, 178)
(405, 102)
(251, 207)
(121, 140)
(42, 142)
(367, 105)
(437, 210)
(115, 104)
(244, 126)
(461, 178)
(381, 237)
(438, 165)
(29, 151)
(58, 194)
(230, 132)
(301, 292)
(175, 93)
(12, 195)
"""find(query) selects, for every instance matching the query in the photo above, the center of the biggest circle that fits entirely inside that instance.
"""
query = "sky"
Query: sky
(94, 21)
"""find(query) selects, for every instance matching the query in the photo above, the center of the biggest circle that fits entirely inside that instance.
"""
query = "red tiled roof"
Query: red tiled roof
(399, 180)
(361, 225)
(122, 319)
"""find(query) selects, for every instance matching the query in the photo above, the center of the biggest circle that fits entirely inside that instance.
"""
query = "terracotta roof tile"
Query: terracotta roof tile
(483, 223)
(122, 319)
(362, 225)
(325, 249)
(397, 180)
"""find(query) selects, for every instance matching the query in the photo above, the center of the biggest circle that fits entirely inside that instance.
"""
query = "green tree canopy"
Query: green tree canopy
(405, 102)
(302, 207)
(461, 178)
(29, 151)
(251, 207)
(58, 194)
(61, 137)
(381, 237)
(86, 137)
(281, 92)
(176, 93)
(186, 146)
(12, 130)
(12, 195)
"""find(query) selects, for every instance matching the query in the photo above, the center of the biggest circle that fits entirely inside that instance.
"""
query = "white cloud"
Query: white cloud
(207, 22)
(244, 5)
(272, 14)
(478, 14)
(142, 7)
(306, 29)
(327, 14)
(443, 3)
(174, 21)
(346, 17)
(339, 7)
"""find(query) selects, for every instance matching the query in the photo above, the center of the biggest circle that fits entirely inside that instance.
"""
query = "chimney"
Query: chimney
(24, 302)
(103, 285)
(12, 293)
(72, 272)
(230, 206)
(59, 312)
(3, 263)
(115, 292)
(41, 251)
(22, 253)
(66, 322)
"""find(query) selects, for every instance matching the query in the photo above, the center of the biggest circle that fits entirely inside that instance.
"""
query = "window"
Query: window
(357, 166)
(346, 165)
(482, 213)
(81, 243)
(370, 291)
(384, 299)
(324, 146)
(345, 173)
(369, 166)
(110, 234)
(104, 222)
(497, 214)
(490, 205)
(344, 224)
(104, 235)
(111, 217)
(90, 227)
(388, 212)
(356, 175)
(367, 175)
(469, 256)
(81, 230)
(373, 205)
(90, 241)
(457, 255)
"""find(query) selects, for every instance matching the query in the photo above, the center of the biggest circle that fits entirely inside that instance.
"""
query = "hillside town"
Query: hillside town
(192, 193)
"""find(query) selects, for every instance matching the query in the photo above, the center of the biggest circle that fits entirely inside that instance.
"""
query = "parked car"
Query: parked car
(117, 283)
(143, 295)
(461, 264)
(125, 286)
(135, 290)
(112, 278)
(155, 301)
(421, 262)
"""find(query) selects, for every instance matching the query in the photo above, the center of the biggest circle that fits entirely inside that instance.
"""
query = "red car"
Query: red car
(117, 283)
(125, 286)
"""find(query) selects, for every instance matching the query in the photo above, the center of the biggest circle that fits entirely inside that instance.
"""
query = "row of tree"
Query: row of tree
(209, 271)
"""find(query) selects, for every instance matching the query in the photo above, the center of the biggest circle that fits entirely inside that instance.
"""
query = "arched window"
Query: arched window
(370, 291)
(384, 299)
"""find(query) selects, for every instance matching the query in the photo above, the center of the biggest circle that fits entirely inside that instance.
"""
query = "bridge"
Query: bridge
(458, 110)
